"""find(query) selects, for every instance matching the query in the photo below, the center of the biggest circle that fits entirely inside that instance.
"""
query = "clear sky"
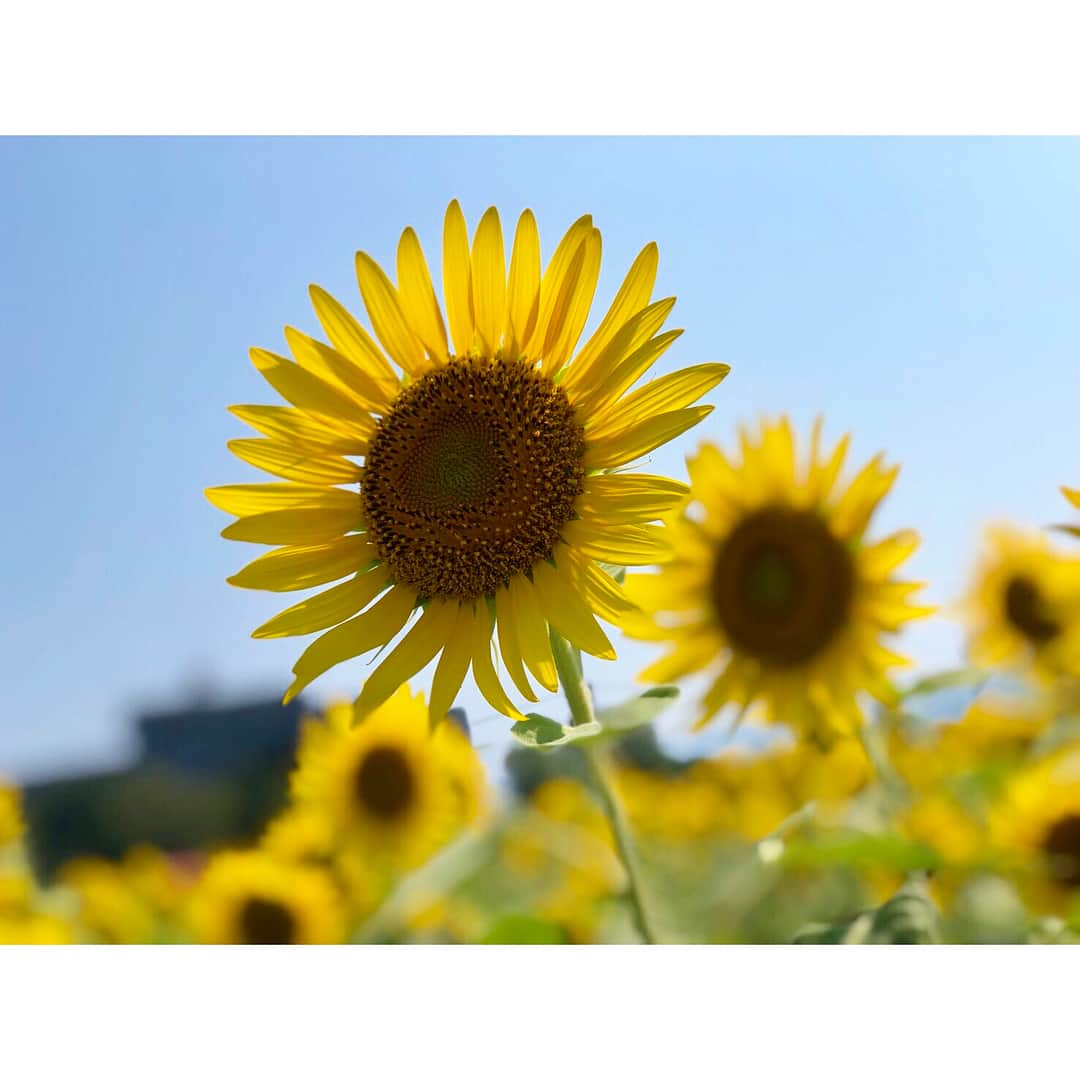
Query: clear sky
(923, 294)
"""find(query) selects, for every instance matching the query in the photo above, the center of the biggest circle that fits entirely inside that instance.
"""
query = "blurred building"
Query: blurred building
(205, 775)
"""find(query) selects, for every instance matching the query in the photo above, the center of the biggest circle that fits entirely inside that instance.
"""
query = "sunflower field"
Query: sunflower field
(457, 488)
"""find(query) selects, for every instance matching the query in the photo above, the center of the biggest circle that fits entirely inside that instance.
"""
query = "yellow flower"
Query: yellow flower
(1024, 605)
(11, 821)
(1036, 822)
(109, 906)
(391, 788)
(485, 497)
(34, 929)
(251, 898)
(776, 584)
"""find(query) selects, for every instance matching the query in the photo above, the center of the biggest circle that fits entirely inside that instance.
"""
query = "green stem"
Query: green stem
(576, 690)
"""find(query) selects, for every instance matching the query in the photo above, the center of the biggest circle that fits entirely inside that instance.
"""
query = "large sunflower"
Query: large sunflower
(1024, 605)
(775, 583)
(485, 497)
(392, 789)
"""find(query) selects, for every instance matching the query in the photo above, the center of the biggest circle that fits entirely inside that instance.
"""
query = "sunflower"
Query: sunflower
(776, 584)
(251, 898)
(1036, 824)
(1024, 605)
(393, 789)
(486, 494)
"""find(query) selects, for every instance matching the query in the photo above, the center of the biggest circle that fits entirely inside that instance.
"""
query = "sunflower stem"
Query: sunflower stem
(579, 699)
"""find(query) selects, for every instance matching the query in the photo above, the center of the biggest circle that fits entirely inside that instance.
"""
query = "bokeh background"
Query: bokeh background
(920, 293)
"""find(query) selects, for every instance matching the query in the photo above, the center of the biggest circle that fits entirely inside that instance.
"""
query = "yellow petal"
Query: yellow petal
(295, 462)
(453, 666)
(632, 297)
(572, 307)
(689, 655)
(418, 296)
(415, 650)
(305, 390)
(551, 284)
(1072, 495)
(337, 370)
(640, 438)
(457, 279)
(387, 319)
(628, 498)
(532, 633)
(352, 340)
(327, 608)
(563, 607)
(489, 280)
(523, 299)
(877, 560)
(508, 644)
(857, 504)
(291, 568)
(362, 633)
(626, 545)
(629, 354)
(669, 392)
(605, 595)
(297, 525)
(243, 499)
(487, 681)
(293, 426)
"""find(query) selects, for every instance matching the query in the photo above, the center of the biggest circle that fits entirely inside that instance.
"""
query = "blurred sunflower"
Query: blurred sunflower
(35, 928)
(251, 898)
(391, 787)
(484, 498)
(11, 820)
(1023, 606)
(776, 583)
(1036, 823)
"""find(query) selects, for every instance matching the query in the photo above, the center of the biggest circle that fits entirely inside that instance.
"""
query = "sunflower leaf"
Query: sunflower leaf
(637, 711)
(945, 680)
(543, 732)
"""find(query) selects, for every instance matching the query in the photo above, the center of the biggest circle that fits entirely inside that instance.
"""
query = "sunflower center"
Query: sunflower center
(1024, 609)
(266, 922)
(384, 785)
(782, 586)
(1062, 847)
(471, 476)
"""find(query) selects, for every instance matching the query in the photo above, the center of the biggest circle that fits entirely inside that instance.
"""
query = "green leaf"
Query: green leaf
(637, 711)
(862, 850)
(524, 929)
(909, 918)
(541, 731)
(946, 680)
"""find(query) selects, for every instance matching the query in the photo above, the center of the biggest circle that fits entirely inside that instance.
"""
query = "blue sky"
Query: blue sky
(922, 294)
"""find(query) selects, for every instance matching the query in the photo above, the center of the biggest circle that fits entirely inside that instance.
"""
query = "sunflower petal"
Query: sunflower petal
(457, 279)
(572, 307)
(352, 340)
(605, 595)
(294, 462)
(417, 296)
(387, 319)
(553, 280)
(627, 545)
(302, 525)
(627, 498)
(669, 392)
(532, 633)
(327, 608)
(416, 650)
(632, 442)
(293, 426)
(362, 633)
(291, 568)
(508, 644)
(305, 390)
(563, 607)
(337, 370)
(487, 681)
(523, 297)
(489, 280)
(241, 499)
(453, 666)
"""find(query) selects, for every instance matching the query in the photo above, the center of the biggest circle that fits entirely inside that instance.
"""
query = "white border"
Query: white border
(565, 66)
